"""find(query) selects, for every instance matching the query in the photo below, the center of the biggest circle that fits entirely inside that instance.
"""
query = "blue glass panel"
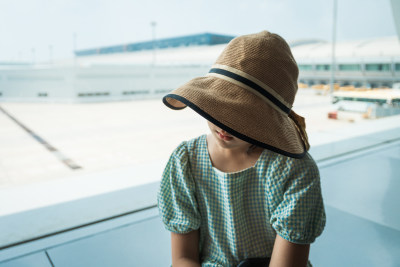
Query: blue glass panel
(33, 260)
(366, 186)
(145, 243)
(349, 240)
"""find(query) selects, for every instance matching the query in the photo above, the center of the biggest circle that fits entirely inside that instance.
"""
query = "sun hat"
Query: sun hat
(249, 92)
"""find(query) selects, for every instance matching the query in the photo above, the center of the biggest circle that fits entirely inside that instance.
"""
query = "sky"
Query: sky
(41, 30)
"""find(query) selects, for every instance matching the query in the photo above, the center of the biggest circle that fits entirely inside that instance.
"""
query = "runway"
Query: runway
(103, 136)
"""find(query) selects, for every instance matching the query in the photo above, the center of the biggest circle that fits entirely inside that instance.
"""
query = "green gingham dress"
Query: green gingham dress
(240, 213)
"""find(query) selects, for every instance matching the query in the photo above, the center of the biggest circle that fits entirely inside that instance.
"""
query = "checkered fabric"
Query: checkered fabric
(240, 213)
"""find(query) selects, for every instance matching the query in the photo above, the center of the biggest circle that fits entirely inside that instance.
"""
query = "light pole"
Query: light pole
(33, 54)
(333, 47)
(50, 54)
(74, 43)
(153, 28)
(74, 66)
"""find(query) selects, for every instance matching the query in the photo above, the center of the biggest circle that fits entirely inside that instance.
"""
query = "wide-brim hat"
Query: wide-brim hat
(249, 92)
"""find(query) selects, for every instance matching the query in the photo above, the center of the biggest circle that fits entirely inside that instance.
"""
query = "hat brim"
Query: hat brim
(231, 108)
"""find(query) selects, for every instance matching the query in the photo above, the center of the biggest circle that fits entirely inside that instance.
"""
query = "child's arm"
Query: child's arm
(185, 249)
(287, 254)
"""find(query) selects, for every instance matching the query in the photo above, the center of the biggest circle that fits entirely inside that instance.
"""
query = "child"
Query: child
(248, 193)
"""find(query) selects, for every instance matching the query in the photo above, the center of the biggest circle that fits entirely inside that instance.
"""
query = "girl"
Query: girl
(248, 193)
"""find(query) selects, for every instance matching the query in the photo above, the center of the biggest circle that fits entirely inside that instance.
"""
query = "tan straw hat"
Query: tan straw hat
(249, 92)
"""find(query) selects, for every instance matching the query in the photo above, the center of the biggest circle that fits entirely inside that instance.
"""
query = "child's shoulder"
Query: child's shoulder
(190, 146)
(196, 143)
(289, 165)
(306, 159)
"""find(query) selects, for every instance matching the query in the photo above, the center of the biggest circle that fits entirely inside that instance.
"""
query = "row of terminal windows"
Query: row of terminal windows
(380, 67)
(158, 91)
(351, 67)
(143, 92)
(140, 92)
(39, 94)
(163, 91)
(347, 83)
(93, 94)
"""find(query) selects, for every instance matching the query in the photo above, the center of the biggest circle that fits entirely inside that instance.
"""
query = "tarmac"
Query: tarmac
(47, 141)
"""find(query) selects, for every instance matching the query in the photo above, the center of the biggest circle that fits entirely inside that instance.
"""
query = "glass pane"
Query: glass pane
(377, 67)
(323, 67)
(349, 67)
(305, 67)
(82, 86)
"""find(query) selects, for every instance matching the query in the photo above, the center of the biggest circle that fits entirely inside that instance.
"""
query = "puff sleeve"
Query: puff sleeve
(298, 213)
(177, 203)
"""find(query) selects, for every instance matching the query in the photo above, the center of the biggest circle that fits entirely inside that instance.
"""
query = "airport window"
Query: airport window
(141, 92)
(93, 94)
(323, 67)
(69, 161)
(377, 67)
(349, 67)
(373, 85)
(305, 67)
(163, 91)
(357, 84)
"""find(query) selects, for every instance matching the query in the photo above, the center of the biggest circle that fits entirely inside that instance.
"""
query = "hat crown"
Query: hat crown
(267, 57)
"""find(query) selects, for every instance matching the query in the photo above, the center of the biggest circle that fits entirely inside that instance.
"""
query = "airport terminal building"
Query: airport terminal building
(151, 69)
(368, 63)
